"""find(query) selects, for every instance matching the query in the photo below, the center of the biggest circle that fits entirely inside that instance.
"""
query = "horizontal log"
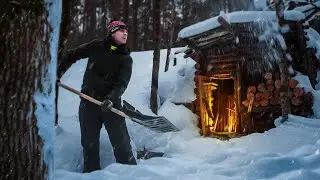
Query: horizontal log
(227, 60)
(213, 55)
(222, 76)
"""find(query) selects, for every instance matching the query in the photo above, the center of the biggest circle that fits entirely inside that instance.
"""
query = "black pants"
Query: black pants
(91, 119)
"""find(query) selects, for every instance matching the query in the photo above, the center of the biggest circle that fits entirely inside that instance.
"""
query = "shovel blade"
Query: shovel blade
(156, 123)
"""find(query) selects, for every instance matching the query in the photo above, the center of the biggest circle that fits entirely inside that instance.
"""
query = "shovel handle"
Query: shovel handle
(92, 99)
(80, 94)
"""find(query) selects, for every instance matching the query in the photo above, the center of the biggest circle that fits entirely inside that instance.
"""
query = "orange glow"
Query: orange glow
(218, 111)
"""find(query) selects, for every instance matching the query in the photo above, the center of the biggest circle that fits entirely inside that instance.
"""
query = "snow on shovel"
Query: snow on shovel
(156, 123)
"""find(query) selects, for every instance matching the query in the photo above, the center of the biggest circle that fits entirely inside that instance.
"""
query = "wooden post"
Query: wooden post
(283, 66)
(237, 89)
(284, 91)
(202, 110)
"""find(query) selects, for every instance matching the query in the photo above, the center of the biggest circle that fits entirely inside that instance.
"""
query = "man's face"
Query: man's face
(120, 36)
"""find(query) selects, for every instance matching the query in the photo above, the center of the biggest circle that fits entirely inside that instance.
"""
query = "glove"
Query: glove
(106, 105)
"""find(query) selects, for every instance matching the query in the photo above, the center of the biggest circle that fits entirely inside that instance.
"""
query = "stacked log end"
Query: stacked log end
(267, 93)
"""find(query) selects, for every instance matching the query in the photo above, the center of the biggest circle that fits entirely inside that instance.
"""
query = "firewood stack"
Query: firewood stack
(267, 93)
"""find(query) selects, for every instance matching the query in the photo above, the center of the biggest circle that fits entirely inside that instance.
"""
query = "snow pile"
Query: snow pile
(304, 82)
(290, 151)
(318, 80)
(314, 40)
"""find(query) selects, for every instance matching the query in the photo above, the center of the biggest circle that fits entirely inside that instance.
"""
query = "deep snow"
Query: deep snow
(289, 151)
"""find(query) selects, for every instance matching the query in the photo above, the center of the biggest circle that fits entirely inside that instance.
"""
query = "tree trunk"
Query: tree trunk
(134, 29)
(90, 19)
(25, 46)
(126, 5)
(172, 20)
(156, 56)
(147, 31)
(116, 9)
(104, 18)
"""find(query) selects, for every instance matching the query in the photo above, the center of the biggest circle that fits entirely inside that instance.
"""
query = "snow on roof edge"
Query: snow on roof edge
(237, 17)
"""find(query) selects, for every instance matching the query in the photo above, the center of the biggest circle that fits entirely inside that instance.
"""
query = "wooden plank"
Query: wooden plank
(202, 111)
(238, 88)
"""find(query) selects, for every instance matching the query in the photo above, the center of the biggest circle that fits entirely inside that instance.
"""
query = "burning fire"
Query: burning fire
(218, 109)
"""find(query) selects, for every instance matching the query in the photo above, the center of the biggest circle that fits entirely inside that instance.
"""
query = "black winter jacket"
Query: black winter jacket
(108, 70)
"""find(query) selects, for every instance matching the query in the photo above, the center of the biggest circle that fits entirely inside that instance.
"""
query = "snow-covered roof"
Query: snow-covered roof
(309, 10)
(237, 17)
(263, 5)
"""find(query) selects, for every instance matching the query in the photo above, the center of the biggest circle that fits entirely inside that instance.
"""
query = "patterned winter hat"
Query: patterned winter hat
(114, 26)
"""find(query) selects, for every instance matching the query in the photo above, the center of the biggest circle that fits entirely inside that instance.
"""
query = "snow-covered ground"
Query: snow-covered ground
(289, 151)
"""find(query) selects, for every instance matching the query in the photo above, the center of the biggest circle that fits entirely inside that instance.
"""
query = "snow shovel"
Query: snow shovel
(156, 123)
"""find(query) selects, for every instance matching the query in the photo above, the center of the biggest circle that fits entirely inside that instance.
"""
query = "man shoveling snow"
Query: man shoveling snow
(106, 78)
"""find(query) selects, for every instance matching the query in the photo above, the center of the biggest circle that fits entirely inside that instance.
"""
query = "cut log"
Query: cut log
(250, 96)
(274, 100)
(268, 76)
(296, 101)
(293, 83)
(264, 102)
(298, 91)
(266, 94)
(269, 82)
(261, 87)
(276, 76)
(277, 84)
(251, 89)
(256, 103)
(258, 96)
(270, 87)
(308, 97)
